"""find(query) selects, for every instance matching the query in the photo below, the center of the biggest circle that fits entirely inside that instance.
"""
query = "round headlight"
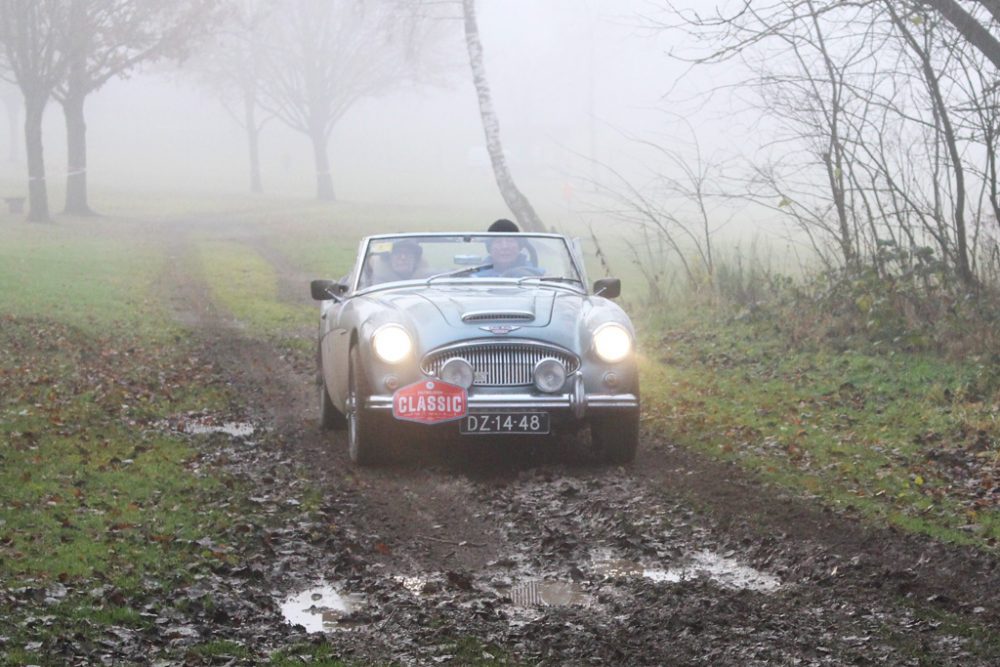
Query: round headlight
(457, 371)
(391, 343)
(550, 375)
(612, 342)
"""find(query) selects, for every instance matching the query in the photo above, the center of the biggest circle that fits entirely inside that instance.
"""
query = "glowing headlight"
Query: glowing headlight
(612, 342)
(457, 371)
(550, 375)
(391, 343)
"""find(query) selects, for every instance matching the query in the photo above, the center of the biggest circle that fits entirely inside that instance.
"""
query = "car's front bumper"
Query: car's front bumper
(576, 404)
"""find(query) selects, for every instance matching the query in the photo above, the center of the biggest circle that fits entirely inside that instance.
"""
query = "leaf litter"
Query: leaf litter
(298, 514)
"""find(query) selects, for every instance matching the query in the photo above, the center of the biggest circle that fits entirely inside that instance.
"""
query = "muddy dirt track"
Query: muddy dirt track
(673, 560)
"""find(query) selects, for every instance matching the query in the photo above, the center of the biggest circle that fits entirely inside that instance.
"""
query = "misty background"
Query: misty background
(571, 81)
(863, 135)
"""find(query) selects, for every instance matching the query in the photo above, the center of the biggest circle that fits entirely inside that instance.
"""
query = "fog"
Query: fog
(571, 82)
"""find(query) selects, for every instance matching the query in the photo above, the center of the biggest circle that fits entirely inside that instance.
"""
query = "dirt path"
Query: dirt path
(675, 560)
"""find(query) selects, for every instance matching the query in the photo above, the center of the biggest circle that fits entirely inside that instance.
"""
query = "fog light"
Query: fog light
(550, 375)
(611, 380)
(391, 382)
(457, 371)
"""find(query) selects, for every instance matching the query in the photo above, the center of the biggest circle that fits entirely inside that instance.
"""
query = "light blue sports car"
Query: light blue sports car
(469, 335)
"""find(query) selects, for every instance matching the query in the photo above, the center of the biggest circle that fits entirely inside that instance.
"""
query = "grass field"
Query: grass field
(247, 286)
(909, 439)
(91, 489)
(73, 276)
(102, 503)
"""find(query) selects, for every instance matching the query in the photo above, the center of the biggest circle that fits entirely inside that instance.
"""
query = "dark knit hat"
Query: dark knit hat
(504, 225)
(407, 245)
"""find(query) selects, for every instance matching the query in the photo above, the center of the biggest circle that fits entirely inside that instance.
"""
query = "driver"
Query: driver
(506, 252)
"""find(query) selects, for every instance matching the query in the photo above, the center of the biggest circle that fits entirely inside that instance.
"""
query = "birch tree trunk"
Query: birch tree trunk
(515, 200)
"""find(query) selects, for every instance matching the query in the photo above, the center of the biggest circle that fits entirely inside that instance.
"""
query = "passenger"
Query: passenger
(402, 263)
(404, 258)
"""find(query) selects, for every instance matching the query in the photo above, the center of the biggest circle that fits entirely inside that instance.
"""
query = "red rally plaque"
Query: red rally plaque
(429, 402)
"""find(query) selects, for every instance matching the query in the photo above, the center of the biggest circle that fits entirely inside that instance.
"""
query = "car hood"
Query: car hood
(442, 315)
(461, 307)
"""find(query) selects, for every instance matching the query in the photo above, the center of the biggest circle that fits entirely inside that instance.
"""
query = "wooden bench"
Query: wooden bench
(15, 204)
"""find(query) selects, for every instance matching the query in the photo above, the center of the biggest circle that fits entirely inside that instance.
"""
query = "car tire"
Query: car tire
(616, 437)
(330, 418)
(362, 444)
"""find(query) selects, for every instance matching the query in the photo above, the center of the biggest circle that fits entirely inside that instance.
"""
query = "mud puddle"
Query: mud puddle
(207, 425)
(322, 608)
(232, 429)
(724, 571)
(529, 590)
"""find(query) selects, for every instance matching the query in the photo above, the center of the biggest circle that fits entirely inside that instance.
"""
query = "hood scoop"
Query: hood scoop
(499, 316)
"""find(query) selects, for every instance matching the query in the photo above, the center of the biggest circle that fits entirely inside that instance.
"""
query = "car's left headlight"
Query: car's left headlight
(392, 343)
(612, 342)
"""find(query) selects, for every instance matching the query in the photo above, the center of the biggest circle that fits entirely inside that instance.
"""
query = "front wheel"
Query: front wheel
(330, 418)
(616, 436)
(362, 445)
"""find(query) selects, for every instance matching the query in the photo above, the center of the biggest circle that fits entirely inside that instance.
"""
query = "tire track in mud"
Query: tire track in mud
(278, 388)
(446, 550)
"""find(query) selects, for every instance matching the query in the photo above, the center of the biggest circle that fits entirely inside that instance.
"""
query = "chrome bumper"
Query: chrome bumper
(576, 402)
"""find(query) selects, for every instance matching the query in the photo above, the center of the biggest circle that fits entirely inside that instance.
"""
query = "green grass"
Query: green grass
(221, 650)
(73, 276)
(472, 651)
(858, 429)
(319, 655)
(247, 286)
(327, 259)
(95, 492)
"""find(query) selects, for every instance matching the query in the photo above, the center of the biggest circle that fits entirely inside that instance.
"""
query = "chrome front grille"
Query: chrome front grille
(501, 364)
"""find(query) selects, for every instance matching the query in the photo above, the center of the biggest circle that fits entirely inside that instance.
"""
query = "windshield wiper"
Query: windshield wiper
(462, 271)
(552, 279)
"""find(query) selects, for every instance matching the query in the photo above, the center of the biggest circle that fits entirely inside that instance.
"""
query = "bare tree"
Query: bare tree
(323, 56)
(970, 27)
(804, 81)
(889, 101)
(947, 131)
(514, 198)
(231, 66)
(676, 199)
(107, 39)
(32, 33)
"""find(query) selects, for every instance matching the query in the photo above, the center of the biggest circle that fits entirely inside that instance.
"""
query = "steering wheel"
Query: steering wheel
(521, 272)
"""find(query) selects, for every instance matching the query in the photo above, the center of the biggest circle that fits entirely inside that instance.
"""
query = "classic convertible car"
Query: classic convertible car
(471, 335)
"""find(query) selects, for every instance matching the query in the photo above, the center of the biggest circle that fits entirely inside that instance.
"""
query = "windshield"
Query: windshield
(466, 257)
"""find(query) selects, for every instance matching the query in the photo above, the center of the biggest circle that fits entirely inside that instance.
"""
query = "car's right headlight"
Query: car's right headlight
(392, 343)
(612, 342)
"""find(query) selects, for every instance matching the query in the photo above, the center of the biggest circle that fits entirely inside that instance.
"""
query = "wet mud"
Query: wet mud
(541, 556)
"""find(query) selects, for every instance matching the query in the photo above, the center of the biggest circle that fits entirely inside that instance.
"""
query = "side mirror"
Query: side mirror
(609, 288)
(324, 290)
